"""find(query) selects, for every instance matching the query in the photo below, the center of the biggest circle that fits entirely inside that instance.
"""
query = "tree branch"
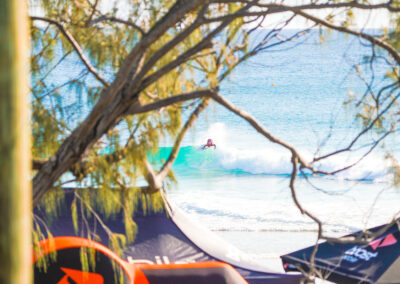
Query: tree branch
(350, 4)
(94, 9)
(169, 45)
(37, 163)
(174, 153)
(256, 125)
(155, 180)
(295, 160)
(374, 145)
(109, 108)
(359, 135)
(117, 20)
(390, 49)
(365, 236)
(76, 47)
(203, 44)
(138, 108)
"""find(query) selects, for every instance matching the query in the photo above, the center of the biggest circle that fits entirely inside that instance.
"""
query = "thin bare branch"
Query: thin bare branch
(76, 47)
(154, 179)
(359, 135)
(381, 43)
(256, 125)
(294, 161)
(98, 218)
(364, 236)
(374, 145)
(174, 153)
(328, 5)
(94, 9)
(117, 20)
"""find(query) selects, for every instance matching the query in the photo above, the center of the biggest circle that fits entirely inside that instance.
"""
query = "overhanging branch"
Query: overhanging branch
(117, 20)
(351, 4)
(154, 179)
(257, 126)
(138, 108)
(390, 49)
(76, 47)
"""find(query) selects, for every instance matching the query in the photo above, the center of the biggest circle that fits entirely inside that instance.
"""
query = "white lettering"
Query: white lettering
(166, 259)
(350, 258)
(361, 253)
(158, 260)
(131, 260)
(351, 251)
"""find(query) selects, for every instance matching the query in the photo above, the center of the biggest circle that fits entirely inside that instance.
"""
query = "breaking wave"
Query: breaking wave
(266, 161)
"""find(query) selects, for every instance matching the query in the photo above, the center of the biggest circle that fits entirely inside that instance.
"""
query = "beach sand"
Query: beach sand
(266, 247)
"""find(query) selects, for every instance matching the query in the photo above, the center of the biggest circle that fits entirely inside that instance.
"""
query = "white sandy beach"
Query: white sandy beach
(266, 247)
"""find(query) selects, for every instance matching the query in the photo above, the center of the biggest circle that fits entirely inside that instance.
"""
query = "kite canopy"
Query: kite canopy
(168, 237)
(66, 267)
(374, 262)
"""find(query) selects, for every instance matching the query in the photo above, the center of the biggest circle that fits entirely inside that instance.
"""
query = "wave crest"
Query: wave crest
(268, 161)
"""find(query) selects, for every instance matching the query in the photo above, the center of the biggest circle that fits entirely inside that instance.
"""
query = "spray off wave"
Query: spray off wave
(265, 161)
(249, 153)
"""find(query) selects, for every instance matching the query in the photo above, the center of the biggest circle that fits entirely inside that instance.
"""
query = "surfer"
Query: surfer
(209, 144)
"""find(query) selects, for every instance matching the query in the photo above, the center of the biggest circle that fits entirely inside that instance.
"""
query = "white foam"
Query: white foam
(267, 158)
(266, 205)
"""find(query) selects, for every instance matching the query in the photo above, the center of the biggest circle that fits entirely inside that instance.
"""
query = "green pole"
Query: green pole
(15, 161)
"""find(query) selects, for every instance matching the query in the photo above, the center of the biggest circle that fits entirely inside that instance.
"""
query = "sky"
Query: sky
(376, 19)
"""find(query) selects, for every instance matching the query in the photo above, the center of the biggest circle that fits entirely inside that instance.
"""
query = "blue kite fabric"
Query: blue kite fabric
(166, 237)
(375, 262)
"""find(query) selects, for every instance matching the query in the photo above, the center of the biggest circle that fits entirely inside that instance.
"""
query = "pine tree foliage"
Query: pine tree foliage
(61, 98)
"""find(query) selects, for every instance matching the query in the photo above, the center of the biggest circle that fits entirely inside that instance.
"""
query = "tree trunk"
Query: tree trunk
(15, 188)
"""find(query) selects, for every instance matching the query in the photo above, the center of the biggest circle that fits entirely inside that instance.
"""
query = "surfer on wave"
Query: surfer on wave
(209, 144)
